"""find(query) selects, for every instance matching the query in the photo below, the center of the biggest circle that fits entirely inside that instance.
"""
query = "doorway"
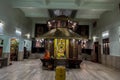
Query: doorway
(61, 48)
(1, 50)
(97, 52)
(14, 49)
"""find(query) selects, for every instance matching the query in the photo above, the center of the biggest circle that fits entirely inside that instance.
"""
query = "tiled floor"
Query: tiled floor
(32, 70)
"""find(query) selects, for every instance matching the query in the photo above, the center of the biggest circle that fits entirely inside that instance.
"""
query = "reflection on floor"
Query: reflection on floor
(32, 70)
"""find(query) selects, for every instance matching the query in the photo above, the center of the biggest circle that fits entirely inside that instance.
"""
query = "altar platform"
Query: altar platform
(68, 63)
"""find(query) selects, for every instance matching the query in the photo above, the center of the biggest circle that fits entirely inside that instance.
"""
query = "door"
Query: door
(97, 52)
(14, 49)
(1, 48)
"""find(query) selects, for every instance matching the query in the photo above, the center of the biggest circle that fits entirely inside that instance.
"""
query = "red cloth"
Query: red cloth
(47, 55)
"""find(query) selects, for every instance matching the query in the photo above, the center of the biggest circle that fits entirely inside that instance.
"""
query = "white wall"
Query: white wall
(13, 18)
(28, 44)
(6, 43)
(110, 21)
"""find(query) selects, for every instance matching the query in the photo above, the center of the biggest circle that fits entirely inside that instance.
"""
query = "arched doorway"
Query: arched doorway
(14, 43)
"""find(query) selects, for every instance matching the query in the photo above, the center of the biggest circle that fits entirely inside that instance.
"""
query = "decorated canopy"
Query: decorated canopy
(61, 33)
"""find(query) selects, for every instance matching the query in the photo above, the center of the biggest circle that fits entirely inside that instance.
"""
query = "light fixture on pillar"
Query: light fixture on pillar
(1, 24)
(18, 32)
(105, 34)
(95, 38)
(27, 35)
(1, 28)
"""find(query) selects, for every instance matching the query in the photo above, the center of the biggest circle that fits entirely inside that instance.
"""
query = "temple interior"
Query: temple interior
(59, 39)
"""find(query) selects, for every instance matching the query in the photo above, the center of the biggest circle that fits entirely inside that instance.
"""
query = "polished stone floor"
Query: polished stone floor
(32, 70)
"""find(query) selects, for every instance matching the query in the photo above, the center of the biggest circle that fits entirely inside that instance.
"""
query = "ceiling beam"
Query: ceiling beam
(47, 1)
(44, 2)
(99, 0)
(100, 5)
(20, 4)
(88, 16)
(79, 2)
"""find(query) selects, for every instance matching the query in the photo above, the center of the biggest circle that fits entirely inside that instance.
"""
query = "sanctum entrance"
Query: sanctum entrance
(61, 48)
